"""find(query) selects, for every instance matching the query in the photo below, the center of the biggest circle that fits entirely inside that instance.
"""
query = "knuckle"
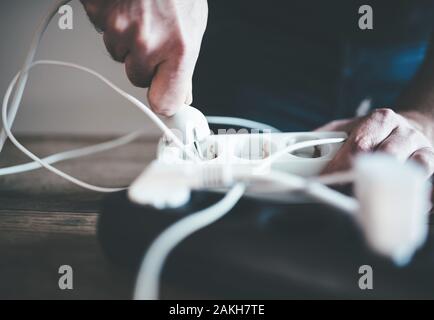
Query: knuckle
(97, 11)
(114, 25)
(425, 157)
(141, 43)
(116, 51)
(383, 115)
(361, 144)
(412, 134)
(138, 80)
(91, 8)
(420, 157)
(180, 47)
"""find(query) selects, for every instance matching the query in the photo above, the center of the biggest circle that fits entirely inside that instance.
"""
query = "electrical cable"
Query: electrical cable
(21, 82)
(124, 94)
(73, 154)
(147, 283)
(294, 147)
(315, 189)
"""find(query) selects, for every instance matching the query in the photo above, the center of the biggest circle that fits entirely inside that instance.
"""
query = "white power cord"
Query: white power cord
(315, 189)
(294, 147)
(73, 154)
(124, 94)
(21, 82)
(147, 283)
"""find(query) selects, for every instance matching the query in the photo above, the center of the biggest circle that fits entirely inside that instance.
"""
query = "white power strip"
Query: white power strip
(250, 150)
(168, 180)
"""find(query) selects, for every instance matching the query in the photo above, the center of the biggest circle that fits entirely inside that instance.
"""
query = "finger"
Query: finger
(424, 157)
(140, 69)
(402, 142)
(96, 11)
(116, 46)
(369, 132)
(170, 86)
(338, 125)
(118, 34)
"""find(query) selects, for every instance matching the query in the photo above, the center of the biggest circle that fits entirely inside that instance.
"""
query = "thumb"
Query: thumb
(170, 87)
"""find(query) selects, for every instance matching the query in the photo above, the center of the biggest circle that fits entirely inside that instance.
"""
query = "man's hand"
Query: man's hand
(159, 42)
(386, 131)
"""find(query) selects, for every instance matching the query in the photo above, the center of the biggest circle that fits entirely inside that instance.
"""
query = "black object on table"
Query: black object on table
(262, 250)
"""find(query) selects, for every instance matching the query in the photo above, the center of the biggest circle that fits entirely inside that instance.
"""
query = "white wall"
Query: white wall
(59, 100)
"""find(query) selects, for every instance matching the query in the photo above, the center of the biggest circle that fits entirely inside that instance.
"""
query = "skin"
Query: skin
(405, 131)
(159, 43)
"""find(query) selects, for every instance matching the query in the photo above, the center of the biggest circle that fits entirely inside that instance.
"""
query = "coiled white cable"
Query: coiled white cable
(124, 94)
(20, 81)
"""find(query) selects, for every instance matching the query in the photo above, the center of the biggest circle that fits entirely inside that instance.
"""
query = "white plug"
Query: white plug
(189, 124)
(394, 205)
(164, 185)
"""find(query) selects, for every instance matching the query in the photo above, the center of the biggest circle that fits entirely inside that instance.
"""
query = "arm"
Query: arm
(158, 41)
(416, 103)
(406, 133)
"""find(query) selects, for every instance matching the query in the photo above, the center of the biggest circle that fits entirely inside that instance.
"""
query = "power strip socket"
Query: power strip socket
(168, 180)
(242, 151)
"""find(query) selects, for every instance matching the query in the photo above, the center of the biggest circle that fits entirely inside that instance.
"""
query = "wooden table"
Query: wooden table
(46, 222)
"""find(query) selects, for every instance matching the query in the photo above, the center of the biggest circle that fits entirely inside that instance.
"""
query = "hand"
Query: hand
(386, 131)
(159, 42)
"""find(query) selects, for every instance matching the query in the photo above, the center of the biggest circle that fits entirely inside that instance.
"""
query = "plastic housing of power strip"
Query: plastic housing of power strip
(250, 150)
(242, 153)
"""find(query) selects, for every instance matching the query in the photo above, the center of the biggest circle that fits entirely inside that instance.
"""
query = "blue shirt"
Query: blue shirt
(298, 64)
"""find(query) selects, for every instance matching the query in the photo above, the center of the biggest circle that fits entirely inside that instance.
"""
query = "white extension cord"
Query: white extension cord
(148, 278)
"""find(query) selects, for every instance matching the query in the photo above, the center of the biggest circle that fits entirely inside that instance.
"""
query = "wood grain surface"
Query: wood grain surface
(46, 222)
